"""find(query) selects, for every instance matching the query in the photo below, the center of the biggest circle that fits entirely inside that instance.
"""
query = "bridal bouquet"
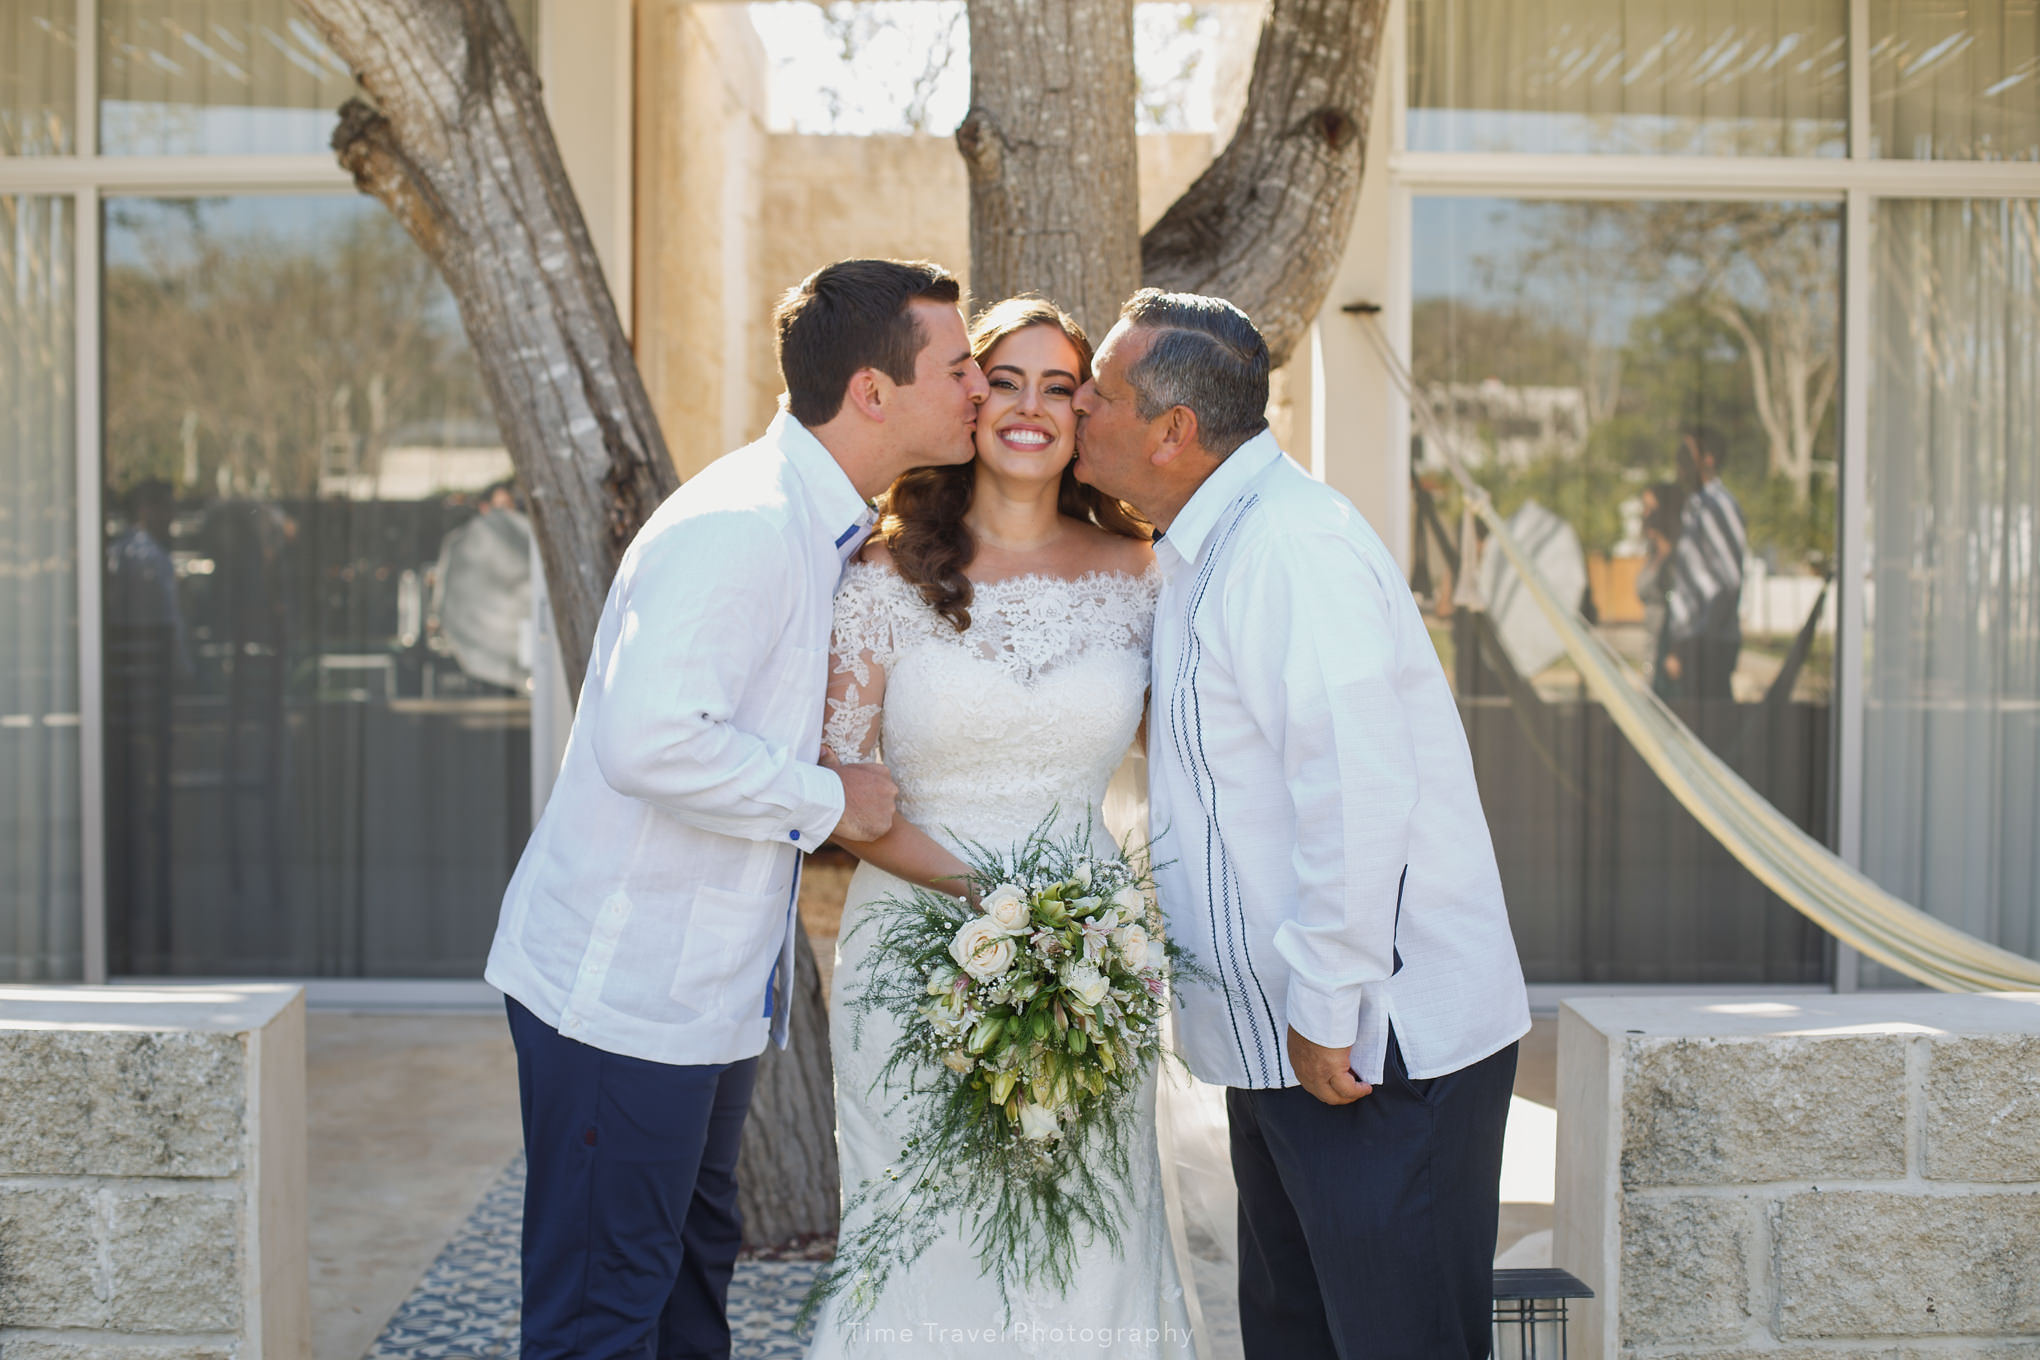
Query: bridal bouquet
(1027, 1023)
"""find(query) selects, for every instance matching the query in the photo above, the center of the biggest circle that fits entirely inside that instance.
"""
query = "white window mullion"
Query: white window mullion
(85, 119)
(1859, 80)
(1852, 573)
(91, 660)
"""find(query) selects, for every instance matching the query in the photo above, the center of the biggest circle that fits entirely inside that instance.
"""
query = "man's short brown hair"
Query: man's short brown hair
(851, 315)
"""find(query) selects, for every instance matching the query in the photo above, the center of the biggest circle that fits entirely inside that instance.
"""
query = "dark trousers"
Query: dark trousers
(631, 1227)
(1367, 1231)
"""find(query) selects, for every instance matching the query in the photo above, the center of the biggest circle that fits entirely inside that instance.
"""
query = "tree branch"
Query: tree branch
(1266, 224)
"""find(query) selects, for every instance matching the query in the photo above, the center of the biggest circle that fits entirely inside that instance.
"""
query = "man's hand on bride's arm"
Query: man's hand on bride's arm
(1326, 1073)
(870, 799)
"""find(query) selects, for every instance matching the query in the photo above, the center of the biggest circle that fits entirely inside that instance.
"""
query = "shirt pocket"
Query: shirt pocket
(727, 954)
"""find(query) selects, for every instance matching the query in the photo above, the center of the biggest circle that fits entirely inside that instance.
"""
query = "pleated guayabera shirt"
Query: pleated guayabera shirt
(653, 908)
(1324, 855)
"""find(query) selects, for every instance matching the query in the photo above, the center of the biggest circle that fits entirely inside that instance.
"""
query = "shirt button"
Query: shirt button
(794, 834)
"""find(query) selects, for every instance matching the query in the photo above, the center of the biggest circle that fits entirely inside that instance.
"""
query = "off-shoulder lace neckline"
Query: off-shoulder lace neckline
(1095, 576)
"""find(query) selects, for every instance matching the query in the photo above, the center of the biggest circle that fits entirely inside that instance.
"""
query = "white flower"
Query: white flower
(1132, 943)
(1086, 983)
(940, 981)
(1037, 1122)
(1131, 903)
(981, 948)
(958, 1061)
(1006, 907)
(1156, 956)
(1083, 873)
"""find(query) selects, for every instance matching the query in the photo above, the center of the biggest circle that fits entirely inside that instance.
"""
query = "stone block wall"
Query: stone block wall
(152, 1174)
(1814, 1177)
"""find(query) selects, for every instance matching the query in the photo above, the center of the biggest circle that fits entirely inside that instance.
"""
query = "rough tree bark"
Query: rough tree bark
(1265, 226)
(1049, 144)
(458, 147)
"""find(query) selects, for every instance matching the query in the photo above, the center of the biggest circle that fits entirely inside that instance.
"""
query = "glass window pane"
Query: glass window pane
(1951, 718)
(1569, 352)
(38, 77)
(318, 599)
(1955, 80)
(1636, 77)
(227, 77)
(40, 848)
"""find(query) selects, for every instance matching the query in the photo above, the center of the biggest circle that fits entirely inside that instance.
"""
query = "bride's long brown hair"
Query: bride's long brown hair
(923, 525)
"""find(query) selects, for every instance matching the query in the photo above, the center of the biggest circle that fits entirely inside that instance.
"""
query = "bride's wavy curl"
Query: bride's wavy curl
(923, 511)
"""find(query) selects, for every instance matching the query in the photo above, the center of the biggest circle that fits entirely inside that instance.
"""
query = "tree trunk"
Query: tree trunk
(786, 1170)
(1049, 144)
(1265, 226)
(459, 149)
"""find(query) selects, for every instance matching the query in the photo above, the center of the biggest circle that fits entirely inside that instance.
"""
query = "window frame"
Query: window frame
(88, 179)
(1857, 181)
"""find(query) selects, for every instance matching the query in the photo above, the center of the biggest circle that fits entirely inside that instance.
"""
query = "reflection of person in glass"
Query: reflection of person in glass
(1662, 502)
(1703, 606)
(482, 591)
(146, 653)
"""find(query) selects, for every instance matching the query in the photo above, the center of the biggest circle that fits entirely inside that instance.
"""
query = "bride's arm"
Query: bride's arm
(849, 734)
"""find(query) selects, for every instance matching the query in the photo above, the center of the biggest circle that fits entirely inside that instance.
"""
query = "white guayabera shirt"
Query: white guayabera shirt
(1324, 855)
(652, 912)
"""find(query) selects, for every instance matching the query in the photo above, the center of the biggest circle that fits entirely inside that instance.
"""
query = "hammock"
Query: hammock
(1795, 866)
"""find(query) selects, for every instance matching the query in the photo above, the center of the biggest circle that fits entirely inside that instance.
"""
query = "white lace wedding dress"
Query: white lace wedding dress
(986, 731)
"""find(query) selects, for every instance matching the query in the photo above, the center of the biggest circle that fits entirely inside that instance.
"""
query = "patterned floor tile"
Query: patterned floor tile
(465, 1307)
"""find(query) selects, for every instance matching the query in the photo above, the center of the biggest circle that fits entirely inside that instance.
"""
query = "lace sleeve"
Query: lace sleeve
(859, 652)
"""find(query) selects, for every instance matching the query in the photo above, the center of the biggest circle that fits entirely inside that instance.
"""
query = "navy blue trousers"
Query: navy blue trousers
(1367, 1231)
(631, 1227)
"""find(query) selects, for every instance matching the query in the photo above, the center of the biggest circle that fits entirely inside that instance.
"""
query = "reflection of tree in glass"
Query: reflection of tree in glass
(243, 360)
(1660, 315)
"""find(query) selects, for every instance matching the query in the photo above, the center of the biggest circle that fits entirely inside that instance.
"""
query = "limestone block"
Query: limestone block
(1684, 1277)
(98, 1102)
(176, 1261)
(20, 1346)
(152, 1173)
(1878, 1263)
(50, 1272)
(1706, 1111)
(1983, 1109)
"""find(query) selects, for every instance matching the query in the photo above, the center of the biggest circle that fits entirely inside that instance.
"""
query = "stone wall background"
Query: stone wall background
(1858, 1176)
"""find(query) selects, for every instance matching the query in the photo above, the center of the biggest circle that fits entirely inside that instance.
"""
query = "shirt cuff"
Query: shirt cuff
(1329, 1019)
(820, 808)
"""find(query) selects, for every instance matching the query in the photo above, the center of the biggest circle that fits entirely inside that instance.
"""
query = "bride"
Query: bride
(991, 645)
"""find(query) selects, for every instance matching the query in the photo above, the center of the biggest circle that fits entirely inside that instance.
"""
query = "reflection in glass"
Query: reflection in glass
(220, 77)
(1635, 77)
(1647, 390)
(1955, 80)
(1951, 721)
(38, 77)
(318, 585)
(40, 849)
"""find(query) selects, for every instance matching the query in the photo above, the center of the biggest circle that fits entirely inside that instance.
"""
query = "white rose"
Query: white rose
(981, 948)
(1156, 956)
(1132, 943)
(1086, 983)
(1038, 1122)
(958, 1061)
(1131, 903)
(1006, 907)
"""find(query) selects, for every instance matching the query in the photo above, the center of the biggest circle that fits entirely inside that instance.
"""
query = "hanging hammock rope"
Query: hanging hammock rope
(1802, 871)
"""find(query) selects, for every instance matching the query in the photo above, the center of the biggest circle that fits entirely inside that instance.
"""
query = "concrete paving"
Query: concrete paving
(411, 1118)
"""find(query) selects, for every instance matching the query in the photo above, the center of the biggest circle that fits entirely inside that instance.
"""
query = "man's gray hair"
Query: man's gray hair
(1206, 355)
